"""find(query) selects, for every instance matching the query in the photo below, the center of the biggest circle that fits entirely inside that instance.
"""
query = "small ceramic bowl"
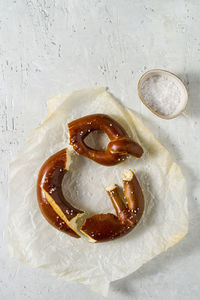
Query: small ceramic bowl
(173, 78)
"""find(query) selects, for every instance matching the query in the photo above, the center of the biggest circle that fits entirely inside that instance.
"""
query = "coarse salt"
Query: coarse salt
(162, 94)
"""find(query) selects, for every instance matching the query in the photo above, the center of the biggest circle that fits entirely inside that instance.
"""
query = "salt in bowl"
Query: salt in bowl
(163, 93)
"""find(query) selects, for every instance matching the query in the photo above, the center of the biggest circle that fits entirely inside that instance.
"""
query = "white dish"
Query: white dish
(174, 79)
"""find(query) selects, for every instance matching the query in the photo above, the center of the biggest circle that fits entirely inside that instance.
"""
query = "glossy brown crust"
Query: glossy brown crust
(106, 227)
(118, 149)
(134, 196)
(52, 217)
(50, 182)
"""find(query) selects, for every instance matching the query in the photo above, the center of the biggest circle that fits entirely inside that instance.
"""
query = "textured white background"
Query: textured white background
(53, 46)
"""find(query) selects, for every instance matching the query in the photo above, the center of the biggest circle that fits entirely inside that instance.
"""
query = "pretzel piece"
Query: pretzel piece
(105, 227)
(118, 149)
(133, 194)
(54, 207)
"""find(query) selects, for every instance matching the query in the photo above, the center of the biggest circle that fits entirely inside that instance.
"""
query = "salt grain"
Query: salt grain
(53, 189)
(162, 94)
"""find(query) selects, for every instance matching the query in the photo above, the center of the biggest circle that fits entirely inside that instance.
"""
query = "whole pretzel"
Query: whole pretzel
(119, 147)
(97, 228)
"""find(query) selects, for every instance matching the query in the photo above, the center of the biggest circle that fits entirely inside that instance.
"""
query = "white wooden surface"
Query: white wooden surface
(53, 46)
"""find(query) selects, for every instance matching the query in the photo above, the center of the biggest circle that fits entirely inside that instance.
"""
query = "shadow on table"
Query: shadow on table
(192, 83)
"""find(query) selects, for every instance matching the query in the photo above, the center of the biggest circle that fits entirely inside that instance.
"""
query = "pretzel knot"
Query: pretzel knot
(119, 147)
(62, 215)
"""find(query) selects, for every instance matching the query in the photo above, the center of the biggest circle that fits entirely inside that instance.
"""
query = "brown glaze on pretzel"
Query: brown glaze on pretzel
(118, 149)
(55, 208)
(106, 227)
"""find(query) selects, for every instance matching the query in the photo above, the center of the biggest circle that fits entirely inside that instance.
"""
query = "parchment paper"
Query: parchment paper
(32, 240)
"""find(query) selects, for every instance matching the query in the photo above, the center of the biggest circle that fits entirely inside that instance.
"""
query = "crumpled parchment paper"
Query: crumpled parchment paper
(32, 240)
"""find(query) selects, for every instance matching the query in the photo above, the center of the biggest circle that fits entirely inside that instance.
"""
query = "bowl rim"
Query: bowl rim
(149, 107)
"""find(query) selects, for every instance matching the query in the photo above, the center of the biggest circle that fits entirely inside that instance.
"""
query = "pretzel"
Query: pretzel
(119, 147)
(55, 208)
(97, 228)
